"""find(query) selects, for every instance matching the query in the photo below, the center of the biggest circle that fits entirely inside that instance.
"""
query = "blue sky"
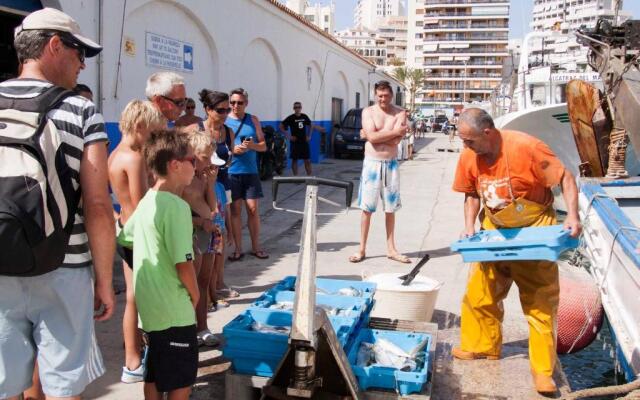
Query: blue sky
(520, 13)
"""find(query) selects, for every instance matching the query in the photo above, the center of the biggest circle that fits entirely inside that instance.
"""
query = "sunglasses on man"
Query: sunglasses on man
(236, 103)
(177, 102)
(69, 43)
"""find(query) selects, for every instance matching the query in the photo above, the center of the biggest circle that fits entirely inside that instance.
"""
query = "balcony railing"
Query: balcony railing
(463, 26)
(437, 14)
(466, 37)
(433, 2)
(474, 50)
(455, 62)
(459, 76)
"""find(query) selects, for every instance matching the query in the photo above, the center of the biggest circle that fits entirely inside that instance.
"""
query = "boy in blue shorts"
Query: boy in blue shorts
(164, 279)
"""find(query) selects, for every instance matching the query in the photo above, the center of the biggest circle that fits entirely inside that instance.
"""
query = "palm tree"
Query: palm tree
(413, 80)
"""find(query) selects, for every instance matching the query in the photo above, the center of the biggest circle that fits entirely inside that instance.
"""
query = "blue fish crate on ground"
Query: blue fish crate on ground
(337, 287)
(377, 376)
(357, 308)
(532, 243)
(258, 353)
(345, 306)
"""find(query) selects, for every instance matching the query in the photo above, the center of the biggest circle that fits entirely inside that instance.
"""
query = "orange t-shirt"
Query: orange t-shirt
(532, 166)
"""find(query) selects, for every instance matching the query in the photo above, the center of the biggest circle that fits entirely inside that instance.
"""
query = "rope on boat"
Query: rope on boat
(617, 154)
(631, 389)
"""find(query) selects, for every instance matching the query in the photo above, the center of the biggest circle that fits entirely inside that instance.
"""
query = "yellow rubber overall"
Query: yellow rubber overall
(489, 283)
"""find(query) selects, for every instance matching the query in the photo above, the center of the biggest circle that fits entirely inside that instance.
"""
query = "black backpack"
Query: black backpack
(37, 199)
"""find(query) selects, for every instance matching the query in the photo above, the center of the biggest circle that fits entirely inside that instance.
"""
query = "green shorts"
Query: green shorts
(49, 317)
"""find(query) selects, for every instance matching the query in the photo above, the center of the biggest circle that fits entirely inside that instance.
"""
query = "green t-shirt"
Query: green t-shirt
(161, 229)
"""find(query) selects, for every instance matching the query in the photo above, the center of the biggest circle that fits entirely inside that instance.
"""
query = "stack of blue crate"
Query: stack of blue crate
(257, 339)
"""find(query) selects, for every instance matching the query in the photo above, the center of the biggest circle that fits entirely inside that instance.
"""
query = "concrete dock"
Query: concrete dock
(430, 219)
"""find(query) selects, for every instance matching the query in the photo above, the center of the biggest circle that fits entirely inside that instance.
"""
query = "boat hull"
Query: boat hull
(611, 244)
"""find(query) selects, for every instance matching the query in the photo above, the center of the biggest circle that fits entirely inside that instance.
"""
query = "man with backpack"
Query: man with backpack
(56, 219)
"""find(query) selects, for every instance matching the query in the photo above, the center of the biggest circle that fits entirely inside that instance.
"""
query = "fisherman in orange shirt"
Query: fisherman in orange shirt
(507, 177)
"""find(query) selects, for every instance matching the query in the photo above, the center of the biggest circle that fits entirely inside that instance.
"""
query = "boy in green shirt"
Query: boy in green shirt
(164, 279)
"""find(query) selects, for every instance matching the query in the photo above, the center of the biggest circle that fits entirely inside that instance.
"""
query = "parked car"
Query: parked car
(438, 121)
(346, 136)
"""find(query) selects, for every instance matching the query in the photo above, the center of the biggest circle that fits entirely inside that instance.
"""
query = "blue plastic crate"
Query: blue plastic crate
(354, 306)
(534, 243)
(377, 376)
(241, 342)
(253, 362)
(331, 286)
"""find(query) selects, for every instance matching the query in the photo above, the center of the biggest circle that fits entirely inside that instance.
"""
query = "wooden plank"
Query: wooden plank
(582, 103)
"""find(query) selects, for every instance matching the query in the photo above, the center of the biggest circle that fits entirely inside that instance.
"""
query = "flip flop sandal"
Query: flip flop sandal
(400, 258)
(228, 293)
(261, 254)
(235, 256)
(356, 258)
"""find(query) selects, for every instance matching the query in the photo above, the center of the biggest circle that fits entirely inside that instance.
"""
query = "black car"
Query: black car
(437, 123)
(346, 137)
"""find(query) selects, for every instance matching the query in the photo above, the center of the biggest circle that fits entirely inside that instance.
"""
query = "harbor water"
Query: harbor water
(595, 365)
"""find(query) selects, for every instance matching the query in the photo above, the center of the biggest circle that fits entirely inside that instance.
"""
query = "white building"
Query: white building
(565, 16)
(461, 45)
(369, 13)
(385, 47)
(262, 46)
(366, 43)
(394, 32)
(321, 16)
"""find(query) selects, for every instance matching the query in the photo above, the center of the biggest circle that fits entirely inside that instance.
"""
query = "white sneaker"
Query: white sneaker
(135, 376)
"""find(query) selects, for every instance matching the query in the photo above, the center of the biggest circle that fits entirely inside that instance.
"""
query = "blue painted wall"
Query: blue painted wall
(316, 156)
(22, 5)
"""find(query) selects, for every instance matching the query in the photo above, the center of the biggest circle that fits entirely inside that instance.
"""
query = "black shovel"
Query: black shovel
(408, 278)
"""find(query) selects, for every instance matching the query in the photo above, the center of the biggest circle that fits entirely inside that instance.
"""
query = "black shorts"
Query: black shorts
(124, 252)
(300, 151)
(172, 358)
(245, 186)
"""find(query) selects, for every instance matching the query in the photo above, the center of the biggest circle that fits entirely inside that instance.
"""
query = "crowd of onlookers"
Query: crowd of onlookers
(180, 183)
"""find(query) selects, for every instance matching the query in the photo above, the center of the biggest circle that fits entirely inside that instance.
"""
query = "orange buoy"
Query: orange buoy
(580, 312)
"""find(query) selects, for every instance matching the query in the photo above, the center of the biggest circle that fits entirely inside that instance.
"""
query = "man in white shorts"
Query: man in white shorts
(49, 317)
(383, 126)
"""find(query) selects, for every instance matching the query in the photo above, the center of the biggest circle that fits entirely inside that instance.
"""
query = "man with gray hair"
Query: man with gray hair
(167, 93)
(49, 316)
(510, 175)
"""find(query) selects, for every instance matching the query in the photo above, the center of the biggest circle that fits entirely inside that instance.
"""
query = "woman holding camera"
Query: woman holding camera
(243, 173)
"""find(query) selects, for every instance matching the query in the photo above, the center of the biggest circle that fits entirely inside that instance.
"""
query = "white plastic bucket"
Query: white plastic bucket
(410, 303)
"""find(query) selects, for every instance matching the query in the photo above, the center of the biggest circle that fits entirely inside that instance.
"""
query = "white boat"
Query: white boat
(549, 123)
(610, 210)
(611, 215)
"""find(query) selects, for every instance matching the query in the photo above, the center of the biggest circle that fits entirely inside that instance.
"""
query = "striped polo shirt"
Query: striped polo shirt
(79, 125)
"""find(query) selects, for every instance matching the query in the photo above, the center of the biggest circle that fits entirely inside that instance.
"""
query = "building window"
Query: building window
(326, 18)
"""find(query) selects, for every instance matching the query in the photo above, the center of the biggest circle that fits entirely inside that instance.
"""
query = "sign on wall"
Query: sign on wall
(165, 52)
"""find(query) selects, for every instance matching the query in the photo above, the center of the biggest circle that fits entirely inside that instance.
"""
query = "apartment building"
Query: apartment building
(366, 43)
(461, 45)
(321, 16)
(563, 52)
(394, 32)
(369, 13)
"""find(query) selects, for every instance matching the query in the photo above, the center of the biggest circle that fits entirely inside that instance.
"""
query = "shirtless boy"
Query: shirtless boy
(201, 198)
(383, 126)
(129, 182)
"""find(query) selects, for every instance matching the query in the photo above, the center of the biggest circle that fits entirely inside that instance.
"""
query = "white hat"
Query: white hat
(215, 160)
(56, 20)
